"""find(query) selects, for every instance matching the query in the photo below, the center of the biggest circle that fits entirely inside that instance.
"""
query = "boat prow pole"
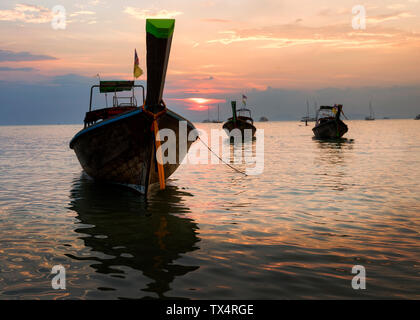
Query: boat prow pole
(158, 40)
(233, 111)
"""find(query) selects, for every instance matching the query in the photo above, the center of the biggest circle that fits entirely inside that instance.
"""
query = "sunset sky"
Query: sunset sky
(220, 49)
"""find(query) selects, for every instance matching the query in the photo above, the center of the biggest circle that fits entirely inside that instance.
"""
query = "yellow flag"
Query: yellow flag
(137, 70)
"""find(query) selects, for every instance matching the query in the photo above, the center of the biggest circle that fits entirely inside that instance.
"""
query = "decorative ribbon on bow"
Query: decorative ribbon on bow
(159, 155)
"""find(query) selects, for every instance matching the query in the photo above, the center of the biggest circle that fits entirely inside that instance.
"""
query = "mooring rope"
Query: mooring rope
(233, 168)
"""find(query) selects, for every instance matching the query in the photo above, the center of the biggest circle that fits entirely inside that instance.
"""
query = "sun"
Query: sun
(200, 100)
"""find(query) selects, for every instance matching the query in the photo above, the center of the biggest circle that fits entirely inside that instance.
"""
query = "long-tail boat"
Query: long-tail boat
(241, 119)
(120, 144)
(328, 123)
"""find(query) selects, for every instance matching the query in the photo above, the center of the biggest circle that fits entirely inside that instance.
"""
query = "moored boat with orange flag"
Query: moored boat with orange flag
(328, 123)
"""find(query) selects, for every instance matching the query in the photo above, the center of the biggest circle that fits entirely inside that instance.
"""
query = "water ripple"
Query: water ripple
(295, 231)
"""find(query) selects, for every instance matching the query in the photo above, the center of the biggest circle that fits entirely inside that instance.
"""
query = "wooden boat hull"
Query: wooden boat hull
(121, 149)
(331, 129)
(239, 124)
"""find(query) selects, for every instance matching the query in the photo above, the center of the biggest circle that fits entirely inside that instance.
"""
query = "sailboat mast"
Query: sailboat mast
(307, 109)
(371, 110)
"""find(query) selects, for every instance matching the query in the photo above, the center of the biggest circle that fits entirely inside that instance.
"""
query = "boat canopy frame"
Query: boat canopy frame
(322, 111)
(242, 118)
(114, 87)
(244, 110)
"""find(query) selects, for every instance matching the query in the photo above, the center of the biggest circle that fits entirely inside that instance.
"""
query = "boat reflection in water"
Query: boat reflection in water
(332, 145)
(151, 235)
(332, 162)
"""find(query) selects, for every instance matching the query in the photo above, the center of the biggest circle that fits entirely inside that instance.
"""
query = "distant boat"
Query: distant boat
(417, 117)
(328, 123)
(371, 117)
(117, 144)
(307, 118)
(241, 120)
(263, 119)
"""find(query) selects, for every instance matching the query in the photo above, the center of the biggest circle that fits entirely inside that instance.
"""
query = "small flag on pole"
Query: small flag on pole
(137, 70)
(244, 97)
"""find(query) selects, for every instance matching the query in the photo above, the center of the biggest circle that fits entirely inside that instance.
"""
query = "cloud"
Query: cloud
(17, 69)
(83, 16)
(396, 6)
(329, 12)
(27, 13)
(87, 4)
(36, 102)
(6, 55)
(339, 35)
(26, 103)
(389, 17)
(207, 78)
(82, 12)
(216, 20)
(147, 13)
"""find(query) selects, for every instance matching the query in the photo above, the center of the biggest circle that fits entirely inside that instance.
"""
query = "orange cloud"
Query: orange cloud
(146, 13)
(216, 20)
(390, 17)
(339, 35)
(27, 13)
